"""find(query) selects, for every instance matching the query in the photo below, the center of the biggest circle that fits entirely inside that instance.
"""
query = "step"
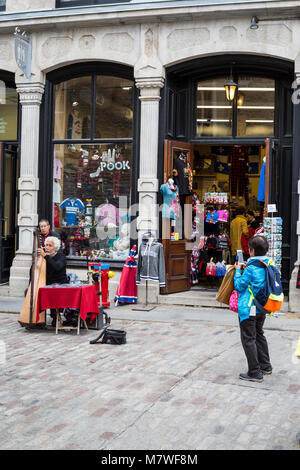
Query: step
(195, 300)
(199, 299)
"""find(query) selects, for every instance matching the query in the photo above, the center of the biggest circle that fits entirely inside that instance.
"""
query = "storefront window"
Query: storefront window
(2, 5)
(92, 166)
(250, 114)
(73, 109)
(255, 106)
(114, 110)
(214, 112)
(91, 196)
(8, 112)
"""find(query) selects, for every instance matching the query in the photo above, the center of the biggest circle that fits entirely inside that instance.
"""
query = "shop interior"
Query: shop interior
(224, 178)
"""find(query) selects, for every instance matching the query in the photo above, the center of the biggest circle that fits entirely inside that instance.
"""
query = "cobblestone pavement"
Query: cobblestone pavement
(174, 385)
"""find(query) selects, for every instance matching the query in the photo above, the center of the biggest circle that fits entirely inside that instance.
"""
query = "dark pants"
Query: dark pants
(255, 344)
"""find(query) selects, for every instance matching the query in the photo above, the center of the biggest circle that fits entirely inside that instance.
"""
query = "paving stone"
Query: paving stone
(172, 386)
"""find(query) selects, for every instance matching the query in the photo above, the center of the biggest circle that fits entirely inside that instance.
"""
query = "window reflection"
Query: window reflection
(8, 112)
(255, 106)
(114, 108)
(73, 109)
(214, 112)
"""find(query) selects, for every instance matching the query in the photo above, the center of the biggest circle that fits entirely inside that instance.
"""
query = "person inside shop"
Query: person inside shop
(238, 226)
(251, 320)
(45, 231)
(55, 265)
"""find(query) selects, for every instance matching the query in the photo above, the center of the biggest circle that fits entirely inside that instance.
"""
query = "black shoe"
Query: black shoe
(258, 378)
(267, 371)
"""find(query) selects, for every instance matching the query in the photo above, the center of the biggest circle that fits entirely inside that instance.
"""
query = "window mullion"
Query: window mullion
(93, 106)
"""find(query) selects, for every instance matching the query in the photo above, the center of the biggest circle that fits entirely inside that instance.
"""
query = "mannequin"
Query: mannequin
(171, 206)
(151, 264)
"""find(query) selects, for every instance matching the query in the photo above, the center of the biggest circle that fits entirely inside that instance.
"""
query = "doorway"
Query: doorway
(8, 207)
(225, 178)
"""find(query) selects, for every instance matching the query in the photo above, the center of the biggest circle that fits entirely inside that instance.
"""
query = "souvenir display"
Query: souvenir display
(273, 232)
(91, 198)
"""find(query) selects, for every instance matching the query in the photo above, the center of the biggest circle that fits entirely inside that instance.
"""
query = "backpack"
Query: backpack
(269, 299)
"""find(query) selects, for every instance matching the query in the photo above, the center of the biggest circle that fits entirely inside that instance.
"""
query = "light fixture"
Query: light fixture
(230, 88)
(254, 22)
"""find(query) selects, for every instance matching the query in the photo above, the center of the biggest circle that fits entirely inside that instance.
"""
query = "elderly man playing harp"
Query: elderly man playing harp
(55, 265)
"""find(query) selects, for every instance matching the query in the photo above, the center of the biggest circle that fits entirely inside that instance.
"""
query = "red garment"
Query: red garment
(127, 289)
(84, 298)
(245, 239)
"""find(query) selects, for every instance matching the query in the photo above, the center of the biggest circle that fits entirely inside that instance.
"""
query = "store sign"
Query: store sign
(272, 208)
(23, 52)
(111, 166)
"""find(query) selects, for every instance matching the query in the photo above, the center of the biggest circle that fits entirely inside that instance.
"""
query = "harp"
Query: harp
(27, 316)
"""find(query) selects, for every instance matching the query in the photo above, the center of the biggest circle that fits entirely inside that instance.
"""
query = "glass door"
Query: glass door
(8, 207)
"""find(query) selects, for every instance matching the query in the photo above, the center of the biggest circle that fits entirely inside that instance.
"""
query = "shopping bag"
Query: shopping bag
(226, 287)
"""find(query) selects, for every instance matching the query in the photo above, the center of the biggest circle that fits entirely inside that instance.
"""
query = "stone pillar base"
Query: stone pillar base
(294, 294)
(19, 275)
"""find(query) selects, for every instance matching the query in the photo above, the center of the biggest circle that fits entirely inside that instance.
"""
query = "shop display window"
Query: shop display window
(81, 3)
(91, 197)
(92, 165)
(8, 112)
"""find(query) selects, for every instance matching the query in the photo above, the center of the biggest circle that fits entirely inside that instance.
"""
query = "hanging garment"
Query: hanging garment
(171, 204)
(57, 166)
(108, 214)
(239, 181)
(127, 290)
(151, 263)
(182, 175)
(72, 207)
(262, 182)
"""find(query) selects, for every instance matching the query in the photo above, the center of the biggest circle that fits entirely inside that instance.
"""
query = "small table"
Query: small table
(83, 298)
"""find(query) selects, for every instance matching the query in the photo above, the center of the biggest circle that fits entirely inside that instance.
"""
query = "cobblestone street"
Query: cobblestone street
(174, 385)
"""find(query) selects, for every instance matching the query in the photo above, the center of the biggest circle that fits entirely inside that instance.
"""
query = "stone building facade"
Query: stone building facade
(149, 38)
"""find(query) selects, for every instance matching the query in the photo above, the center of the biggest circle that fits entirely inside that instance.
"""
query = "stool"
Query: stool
(61, 327)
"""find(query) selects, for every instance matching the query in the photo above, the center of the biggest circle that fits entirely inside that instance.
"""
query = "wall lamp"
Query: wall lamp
(254, 20)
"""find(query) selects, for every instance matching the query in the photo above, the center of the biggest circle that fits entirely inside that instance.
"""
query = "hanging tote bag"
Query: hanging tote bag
(226, 287)
(233, 301)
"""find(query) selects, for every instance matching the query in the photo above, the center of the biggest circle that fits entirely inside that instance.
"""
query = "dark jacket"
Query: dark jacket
(56, 269)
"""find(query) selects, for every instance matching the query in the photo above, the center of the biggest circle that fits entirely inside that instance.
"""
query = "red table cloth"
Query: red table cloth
(83, 298)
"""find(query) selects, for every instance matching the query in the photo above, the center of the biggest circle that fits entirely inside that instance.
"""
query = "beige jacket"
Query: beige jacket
(237, 227)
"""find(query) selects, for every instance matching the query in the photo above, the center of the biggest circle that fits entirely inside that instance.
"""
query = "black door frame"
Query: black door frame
(178, 117)
(7, 244)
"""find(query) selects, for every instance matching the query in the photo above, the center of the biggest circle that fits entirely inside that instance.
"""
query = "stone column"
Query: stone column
(30, 98)
(148, 182)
